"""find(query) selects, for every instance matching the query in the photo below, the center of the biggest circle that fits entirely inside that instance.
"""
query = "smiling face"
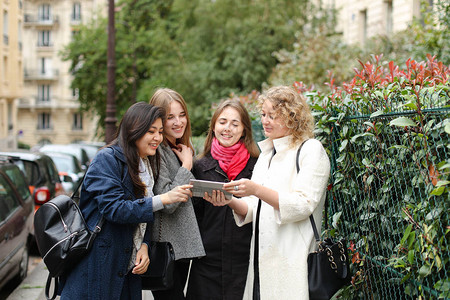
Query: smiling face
(228, 128)
(176, 121)
(274, 126)
(149, 142)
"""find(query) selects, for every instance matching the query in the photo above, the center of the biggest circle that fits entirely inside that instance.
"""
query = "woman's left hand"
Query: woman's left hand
(241, 188)
(142, 260)
(217, 198)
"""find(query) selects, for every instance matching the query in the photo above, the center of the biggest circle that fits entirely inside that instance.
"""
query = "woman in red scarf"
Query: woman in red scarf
(229, 154)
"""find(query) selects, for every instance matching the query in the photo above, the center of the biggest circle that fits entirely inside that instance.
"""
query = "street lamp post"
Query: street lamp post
(110, 120)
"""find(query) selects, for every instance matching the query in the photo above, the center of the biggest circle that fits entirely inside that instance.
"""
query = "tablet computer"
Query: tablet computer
(202, 186)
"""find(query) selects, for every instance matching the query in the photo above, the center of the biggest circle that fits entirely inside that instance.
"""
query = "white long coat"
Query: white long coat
(285, 235)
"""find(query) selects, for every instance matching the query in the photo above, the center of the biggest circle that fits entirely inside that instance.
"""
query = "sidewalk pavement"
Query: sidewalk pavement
(33, 286)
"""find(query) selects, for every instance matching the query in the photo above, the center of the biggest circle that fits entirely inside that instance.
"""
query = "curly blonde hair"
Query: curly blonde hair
(291, 107)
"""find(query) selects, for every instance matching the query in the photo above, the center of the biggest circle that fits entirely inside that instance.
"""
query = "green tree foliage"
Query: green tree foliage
(204, 49)
(321, 51)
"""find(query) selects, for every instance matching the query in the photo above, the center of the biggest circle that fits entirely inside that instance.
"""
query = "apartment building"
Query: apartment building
(11, 82)
(48, 109)
(362, 19)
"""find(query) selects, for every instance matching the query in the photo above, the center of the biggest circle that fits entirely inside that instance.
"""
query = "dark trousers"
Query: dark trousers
(179, 281)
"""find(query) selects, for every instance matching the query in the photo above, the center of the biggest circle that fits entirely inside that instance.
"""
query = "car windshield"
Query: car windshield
(66, 164)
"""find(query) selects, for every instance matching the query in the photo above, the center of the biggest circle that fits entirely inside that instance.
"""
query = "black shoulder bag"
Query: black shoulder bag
(328, 268)
(62, 236)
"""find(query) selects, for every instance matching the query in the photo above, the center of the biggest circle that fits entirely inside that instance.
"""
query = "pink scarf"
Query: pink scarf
(232, 160)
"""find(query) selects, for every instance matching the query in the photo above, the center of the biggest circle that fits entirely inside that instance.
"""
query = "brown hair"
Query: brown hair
(162, 98)
(247, 137)
(291, 106)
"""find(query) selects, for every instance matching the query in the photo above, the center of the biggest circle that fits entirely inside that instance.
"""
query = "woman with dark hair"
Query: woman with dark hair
(118, 187)
(176, 222)
(229, 154)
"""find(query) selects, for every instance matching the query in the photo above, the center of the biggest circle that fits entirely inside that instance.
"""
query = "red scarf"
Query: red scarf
(232, 160)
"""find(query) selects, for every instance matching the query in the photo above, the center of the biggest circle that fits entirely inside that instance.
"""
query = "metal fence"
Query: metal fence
(389, 198)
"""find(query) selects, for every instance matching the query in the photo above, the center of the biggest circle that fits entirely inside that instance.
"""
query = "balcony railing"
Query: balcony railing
(39, 21)
(41, 44)
(41, 75)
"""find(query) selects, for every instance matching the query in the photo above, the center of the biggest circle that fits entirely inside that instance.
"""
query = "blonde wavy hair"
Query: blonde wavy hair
(290, 106)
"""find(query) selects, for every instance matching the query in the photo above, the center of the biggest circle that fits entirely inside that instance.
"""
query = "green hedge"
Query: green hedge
(387, 134)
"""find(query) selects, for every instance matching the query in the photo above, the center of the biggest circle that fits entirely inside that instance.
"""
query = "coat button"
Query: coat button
(127, 250)
(120, 274)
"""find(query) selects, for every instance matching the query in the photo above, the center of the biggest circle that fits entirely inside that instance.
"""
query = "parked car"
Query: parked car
(40, 172)
(16, 222)
(69, 169)
(91, 148)
(73, 149)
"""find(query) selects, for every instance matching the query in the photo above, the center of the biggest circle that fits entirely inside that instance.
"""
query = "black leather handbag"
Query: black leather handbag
(159, 275)
(62, 236)
(328, 268)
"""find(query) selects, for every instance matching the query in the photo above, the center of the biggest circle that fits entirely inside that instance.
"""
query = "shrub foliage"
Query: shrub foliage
(387, 133)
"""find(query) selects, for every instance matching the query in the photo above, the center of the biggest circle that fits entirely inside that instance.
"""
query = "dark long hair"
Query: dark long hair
(247, 137)
(135, 124)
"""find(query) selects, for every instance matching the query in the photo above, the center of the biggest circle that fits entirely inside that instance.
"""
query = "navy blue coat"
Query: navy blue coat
(108, 191)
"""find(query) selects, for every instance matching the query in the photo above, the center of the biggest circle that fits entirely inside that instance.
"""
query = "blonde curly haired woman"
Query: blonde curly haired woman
(278, 200)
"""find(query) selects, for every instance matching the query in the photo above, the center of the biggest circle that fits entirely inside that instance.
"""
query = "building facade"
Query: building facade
(11, 65)
(48, 111)
(362, 19)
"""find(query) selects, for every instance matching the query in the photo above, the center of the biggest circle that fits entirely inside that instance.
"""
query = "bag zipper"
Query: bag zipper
(63, 240)
(60, 216)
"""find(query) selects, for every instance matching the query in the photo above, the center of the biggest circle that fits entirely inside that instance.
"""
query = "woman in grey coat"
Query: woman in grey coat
(176, 223)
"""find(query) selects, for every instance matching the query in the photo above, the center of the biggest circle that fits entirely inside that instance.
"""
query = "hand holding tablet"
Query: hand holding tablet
(202, 186)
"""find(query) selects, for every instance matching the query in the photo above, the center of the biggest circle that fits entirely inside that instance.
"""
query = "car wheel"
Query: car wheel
(23, 265)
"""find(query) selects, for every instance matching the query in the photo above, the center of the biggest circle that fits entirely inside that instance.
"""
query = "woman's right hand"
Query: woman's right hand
(179, 193)
(185, 155)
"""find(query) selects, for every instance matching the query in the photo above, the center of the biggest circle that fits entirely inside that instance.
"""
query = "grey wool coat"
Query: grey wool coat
(178, 224)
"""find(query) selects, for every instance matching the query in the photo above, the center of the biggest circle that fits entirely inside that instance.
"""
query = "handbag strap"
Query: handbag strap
(311, 218)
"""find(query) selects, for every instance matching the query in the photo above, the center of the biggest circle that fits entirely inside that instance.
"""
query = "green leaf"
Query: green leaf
(442, 182)
(447, 128)
(406, 234)
(343, 145)
(377, 113)
(434, 213)
(336, 218)
(411, 256)
(402, 122)
(411, 239)
(424, 271)
(443, 285)
(438, 191)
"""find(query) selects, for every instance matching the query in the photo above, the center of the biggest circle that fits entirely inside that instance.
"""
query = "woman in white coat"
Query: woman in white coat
(286, 198)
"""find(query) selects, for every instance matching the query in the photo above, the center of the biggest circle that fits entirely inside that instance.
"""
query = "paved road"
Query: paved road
(10, 287)
(32, 288)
